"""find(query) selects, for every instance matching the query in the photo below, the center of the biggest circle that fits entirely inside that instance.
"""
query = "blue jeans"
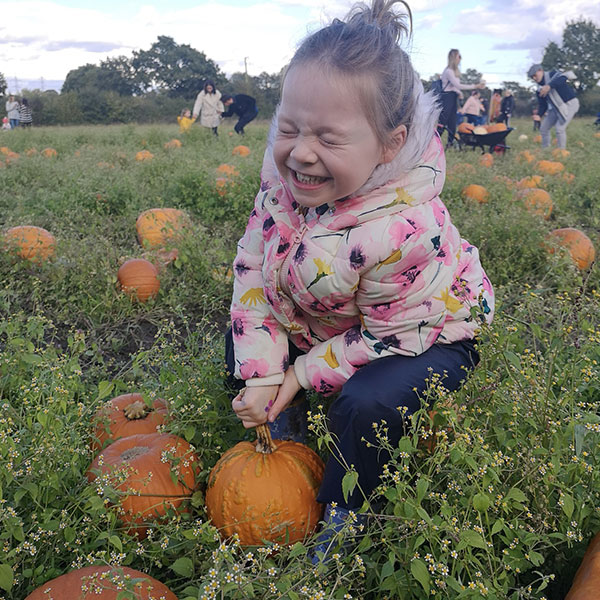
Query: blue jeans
(14, 123)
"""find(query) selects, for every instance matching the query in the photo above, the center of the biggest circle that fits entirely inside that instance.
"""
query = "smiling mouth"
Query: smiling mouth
(308, 179)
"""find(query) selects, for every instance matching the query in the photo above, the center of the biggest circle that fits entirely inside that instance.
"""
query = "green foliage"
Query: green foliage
(502, 506)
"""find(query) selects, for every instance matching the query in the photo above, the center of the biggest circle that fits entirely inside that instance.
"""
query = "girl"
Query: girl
(209, 106)
(350, 261)
(185, 120)
(452, 92)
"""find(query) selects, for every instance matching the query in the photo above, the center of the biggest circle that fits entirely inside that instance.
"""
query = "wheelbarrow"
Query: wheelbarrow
(495, 141)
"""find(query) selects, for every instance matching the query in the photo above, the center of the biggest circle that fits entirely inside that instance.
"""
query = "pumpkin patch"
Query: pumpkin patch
(138, 279)
(29, 242)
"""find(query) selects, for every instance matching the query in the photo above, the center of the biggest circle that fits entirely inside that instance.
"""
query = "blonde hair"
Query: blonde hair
(454, 60)
(366, 45)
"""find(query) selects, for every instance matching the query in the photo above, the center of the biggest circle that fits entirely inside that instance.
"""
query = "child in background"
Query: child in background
(6, 124)
(185, 120)
(351, 278)
(537, 120)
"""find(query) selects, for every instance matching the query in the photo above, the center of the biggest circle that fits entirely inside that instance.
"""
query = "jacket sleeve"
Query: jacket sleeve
(197, 106)
(403, 301)
(557, 80)
(260, 341)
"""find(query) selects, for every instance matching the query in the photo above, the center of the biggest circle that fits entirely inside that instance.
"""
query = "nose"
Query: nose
(303, 152)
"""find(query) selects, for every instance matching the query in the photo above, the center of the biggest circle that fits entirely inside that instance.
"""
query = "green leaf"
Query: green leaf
(116, 542)
(497, 527)
(69, 534)
(6, 577)
(473, 539)
(297, 550)
(419, 571)
(183, 566)
(104, 389)
(567, 505)
(349, 483)
(32, 359)
(481, 502)
(422, 487)
(516, 494)
(536, 559)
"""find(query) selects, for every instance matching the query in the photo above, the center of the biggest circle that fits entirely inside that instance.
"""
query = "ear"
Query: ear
(397, 140)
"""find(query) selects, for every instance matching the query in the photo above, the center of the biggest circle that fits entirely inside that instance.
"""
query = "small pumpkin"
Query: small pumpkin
(102, 583)
(494, 127)
(265, 492)
(241, 151)
(530, 182)
(486, 160)
(560, 153)
(586, 582)
(465, 128)
(5, 150)
(577, 243)
(171, 144)
(523, 138)
(152, 473)
(144, 155)
(228, 170)
(537, 139)
(138, 278)
(125, 415)
(537, 202)
(526, 156)
(221, 185)
(480, 130)
(49, 153)
(30, 242)
(476, 192)
(549, 167)
(567, 177)
(157, 226)
(31, 152)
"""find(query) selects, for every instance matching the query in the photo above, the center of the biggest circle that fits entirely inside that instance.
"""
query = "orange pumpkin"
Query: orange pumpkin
(597, 134)
(127, 415)
(31, 152)
(221, 185)
(241, 151)
(529, 182)
(526, 155)
(30, 242)
(174, 143)
(578, 245)
(537, 202)
(228, 170)
(486, 160)
(586, 582)
(5, 150)
(143, 155)
(49, 152)
(157, 226)
(465, 128)
(567, 177)
(152, 472)
(494, 127)
(537, 139)
(549, 167)
(102, 583)
(476, 192)
(560, 153)
(267, 492)
(138, 278)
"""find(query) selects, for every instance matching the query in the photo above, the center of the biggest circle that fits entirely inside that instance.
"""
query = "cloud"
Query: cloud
(93, 47)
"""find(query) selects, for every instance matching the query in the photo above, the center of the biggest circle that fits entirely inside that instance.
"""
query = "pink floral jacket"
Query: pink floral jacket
(370, 276)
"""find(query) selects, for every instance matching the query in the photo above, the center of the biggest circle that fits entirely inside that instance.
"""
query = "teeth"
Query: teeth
(309, 179)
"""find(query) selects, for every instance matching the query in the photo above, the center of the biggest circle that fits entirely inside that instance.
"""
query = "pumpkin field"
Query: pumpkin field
(116, 246)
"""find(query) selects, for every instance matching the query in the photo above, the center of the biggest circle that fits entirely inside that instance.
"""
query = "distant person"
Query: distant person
(209, 106)
(537, 120)
(185, 120)
(5, 124)
(452, 91)
(12, 111)
(507, 107)
(495, 103)
(473, 109)
(557, 103)
(241, 105)
(25, 114)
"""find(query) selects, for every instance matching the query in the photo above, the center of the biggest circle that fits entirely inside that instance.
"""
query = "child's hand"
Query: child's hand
(287, 390)
(253, 404)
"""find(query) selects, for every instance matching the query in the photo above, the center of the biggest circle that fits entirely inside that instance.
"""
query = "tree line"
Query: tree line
(155, 84)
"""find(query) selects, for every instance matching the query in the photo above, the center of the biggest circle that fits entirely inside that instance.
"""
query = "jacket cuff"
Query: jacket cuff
(276, 379)
(300, 372)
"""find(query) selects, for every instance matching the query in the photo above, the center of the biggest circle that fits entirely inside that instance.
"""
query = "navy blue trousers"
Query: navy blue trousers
(374, 393)
(244, 120)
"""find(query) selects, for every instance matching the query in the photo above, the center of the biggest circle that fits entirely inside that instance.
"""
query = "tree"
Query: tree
(471, 76)
(110, 76)
(178, 70)
(580, 53)
(519, 92)
(3, 84)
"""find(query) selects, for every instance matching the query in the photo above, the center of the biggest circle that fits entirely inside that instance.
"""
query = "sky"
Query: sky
(41, 41)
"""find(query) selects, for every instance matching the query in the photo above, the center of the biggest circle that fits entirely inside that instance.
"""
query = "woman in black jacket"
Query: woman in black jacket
(507, 106)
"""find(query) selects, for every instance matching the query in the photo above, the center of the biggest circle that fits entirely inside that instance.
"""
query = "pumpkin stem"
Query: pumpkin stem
(136, 410)
(264, 441)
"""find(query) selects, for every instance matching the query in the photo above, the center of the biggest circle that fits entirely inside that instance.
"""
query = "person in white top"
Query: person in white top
(473, 109)
(12, 111)
(209, 106)
(451, 92)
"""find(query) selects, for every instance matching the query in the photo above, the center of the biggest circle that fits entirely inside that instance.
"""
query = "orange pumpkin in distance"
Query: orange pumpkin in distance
(102, 583)
(265, 492)
(537, 202)
(578, 245)
(530, 182)
(494, 127)
(241, 151)
(144, 155)
(227, 170)
(586, 582)
(138, 278)
(486, 160)
(549, 167)
(153, 473)
(157, 226)
(29, 242)
(476, 192)
(125, 415)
